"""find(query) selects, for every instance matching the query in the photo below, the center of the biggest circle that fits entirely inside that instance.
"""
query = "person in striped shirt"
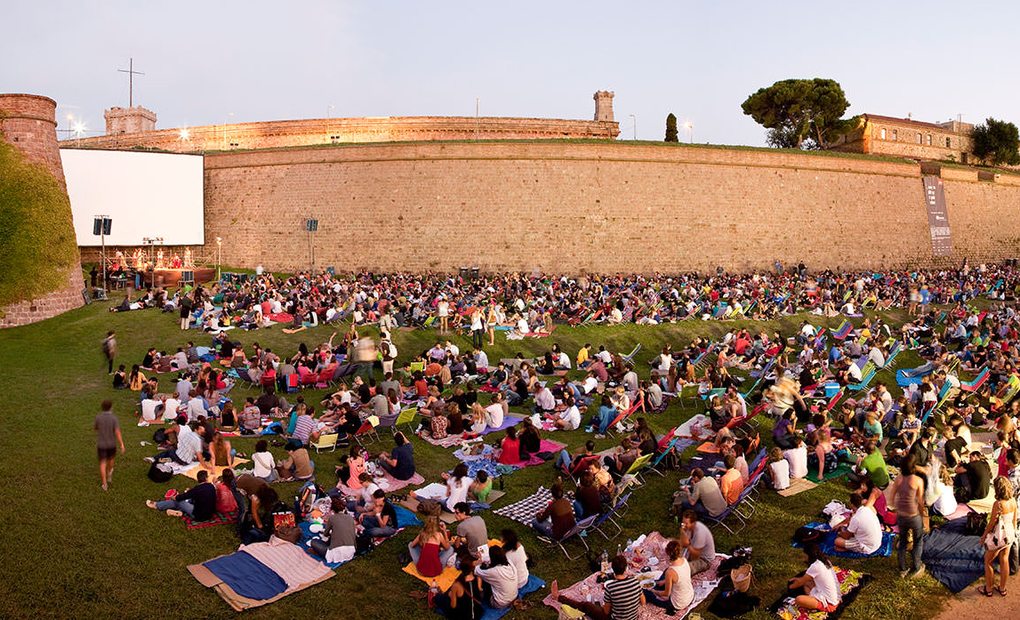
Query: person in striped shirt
(621, 601)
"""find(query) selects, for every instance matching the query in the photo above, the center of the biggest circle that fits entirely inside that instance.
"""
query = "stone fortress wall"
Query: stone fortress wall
(28, 122)
(567, 207)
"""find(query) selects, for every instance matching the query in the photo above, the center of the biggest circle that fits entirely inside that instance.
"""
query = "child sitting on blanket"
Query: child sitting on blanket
(818, 584)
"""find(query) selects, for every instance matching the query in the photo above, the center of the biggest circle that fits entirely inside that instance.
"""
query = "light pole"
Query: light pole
(219, 257)
(690, 132)
(635, 125)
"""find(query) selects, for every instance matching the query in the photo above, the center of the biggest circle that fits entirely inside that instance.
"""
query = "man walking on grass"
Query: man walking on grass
(110, 350)
(108, 437)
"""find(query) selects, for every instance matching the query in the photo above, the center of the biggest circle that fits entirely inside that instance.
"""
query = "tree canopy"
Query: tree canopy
(801, 113)
(671, 132)
(997, 142)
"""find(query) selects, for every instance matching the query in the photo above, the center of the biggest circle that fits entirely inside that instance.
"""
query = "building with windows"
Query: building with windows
(905, 137)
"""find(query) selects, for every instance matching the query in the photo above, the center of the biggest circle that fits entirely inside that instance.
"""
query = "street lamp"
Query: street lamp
(635, 125)
(219, 256)
(689, 126)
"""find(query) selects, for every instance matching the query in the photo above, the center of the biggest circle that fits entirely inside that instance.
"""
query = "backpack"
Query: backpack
(160, 472)
(159, 437)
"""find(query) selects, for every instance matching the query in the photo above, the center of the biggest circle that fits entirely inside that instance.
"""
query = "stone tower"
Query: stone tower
(129, 120)
(28, 123)
(604, 106)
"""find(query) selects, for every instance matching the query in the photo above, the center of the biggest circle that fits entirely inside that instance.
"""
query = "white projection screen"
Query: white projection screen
(146, 194)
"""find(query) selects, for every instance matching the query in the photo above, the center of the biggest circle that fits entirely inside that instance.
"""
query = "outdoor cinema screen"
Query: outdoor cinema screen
(146, 195)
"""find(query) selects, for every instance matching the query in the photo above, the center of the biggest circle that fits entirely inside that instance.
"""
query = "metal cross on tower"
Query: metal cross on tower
(131, 81)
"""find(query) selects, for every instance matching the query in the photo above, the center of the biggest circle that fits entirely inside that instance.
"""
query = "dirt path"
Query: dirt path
(971, 604)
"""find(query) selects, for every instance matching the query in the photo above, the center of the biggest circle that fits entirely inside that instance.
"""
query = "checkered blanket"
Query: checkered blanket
(524, 511)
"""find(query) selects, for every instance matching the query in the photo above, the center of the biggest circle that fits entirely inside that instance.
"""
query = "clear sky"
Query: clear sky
(229, 61)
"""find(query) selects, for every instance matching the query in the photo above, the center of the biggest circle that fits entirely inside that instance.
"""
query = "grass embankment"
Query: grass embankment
(71, 550)
(37, 243)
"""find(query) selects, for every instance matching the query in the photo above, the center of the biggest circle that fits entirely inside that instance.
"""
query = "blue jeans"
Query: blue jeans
(184, 506)
(563, 460)
(652, 598)
(543, 527)
(915, 525)
(170, 454)
(604, 418)
(374, 530)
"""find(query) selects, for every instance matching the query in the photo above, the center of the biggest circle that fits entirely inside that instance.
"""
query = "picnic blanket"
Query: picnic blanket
(654, 545)
(483, 460)
(850, 584)
(952, 557)
(533, 584)
(387, 483)
(797, 485)
(405, 519)
(260, 573)
(191, 471)
(411, 503)
(841, 470)
(827, 544)
(524, 511)
(219, 518)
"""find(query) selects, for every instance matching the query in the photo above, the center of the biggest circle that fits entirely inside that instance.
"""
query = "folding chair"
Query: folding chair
(579, 531)
(637, 467)
(629, 358)
(325, 442)
(406, 416)
(365, 433)
(606, 518)
(663, 453)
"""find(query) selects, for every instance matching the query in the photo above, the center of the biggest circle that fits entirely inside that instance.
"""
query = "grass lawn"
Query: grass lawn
(71, 550)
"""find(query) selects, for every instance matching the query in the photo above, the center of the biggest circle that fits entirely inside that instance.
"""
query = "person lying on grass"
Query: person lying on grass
(198, 502)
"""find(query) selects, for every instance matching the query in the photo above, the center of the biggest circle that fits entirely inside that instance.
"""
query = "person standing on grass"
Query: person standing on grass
(110, 350)
(108, 438)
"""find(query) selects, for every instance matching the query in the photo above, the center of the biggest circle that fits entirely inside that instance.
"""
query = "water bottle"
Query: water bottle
(618, 550)
(605, 562)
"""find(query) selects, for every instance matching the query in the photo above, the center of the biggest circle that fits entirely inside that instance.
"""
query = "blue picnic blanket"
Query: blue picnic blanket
(247, 576)
(827, 544)
(952, 557)
(534, 584)
(909, 376)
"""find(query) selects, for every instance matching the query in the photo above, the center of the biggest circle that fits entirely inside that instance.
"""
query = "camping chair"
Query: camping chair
(366, 433)
(243, 375)
(629, 358)
(293, 383)
(606, 518)
(622, 416)
(843, 331)
(637, 467)
(579, 531)
(724, 516)
(975, 384)
(574, 472)
(326, 442)
(664, 452)
(406, 416)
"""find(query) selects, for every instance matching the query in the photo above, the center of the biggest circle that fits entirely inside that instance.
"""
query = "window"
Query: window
(929, 139)
(919, 138)
(895, 135)
(949, 143)
(883, 133)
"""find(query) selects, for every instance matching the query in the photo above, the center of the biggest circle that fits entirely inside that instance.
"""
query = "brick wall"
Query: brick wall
(284, 134)
(586, 207)
(29, 123)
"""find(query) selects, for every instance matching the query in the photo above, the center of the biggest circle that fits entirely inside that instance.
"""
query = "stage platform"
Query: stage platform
(171, 277)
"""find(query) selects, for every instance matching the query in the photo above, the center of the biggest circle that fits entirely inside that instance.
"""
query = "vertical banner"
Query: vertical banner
(938, 216)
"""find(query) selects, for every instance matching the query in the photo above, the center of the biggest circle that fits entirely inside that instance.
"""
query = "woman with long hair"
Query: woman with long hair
(999, 536)
(819, 583)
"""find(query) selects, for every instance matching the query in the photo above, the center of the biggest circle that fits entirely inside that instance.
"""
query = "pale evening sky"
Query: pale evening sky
(214, 62)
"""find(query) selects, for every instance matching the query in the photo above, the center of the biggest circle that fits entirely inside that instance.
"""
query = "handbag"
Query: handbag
(999, 536)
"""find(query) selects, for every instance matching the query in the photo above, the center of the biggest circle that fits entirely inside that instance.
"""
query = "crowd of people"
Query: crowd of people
(904, 456)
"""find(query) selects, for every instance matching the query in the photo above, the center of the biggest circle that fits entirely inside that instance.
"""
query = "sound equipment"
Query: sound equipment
(107, 225)
(311, 225)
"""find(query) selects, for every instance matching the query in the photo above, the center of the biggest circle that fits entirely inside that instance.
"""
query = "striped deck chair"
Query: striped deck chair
(835, 399)
(666, 445)
(1012, 387)
(623, 415)
(629, 358)
(843, 331)
(975, 384)
(867, 374)
(890, 362)
(638, 466)
(942, 398)
(720, 310)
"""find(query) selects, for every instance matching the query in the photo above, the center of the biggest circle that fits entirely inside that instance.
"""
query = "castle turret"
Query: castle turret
(604, 106)
(40, 254)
